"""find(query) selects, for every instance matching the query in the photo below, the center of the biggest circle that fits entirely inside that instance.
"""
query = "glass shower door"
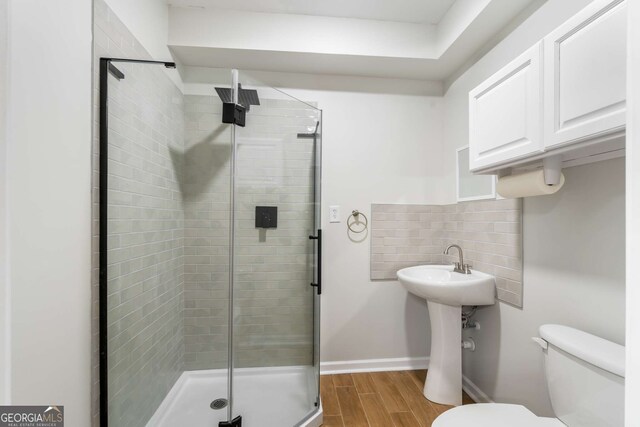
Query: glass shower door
(165, 220)
(275, 301)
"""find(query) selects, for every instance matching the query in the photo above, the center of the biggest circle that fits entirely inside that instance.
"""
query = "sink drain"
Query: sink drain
(219, 403)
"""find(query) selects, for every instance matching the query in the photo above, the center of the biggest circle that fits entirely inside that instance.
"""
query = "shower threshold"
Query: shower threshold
(265, 397)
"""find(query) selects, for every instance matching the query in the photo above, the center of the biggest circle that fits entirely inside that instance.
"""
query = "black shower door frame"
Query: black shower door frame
(106, 68)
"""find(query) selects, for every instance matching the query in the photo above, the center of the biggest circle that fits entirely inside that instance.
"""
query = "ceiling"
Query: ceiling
(361, 38)
(408, 11)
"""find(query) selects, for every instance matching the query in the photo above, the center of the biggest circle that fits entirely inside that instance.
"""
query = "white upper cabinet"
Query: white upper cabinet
(564, 96)
(505, 116)
(585, 74)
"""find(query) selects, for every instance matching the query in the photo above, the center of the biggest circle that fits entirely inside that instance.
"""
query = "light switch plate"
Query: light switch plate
(334, 213)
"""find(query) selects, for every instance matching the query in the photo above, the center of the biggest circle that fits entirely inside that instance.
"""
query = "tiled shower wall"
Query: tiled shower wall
(146, 227)
(273, 301)
(273, 306)
(490, 233)
(207, 214)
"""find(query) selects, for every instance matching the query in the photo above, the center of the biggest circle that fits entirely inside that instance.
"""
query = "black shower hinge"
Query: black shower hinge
(234, 113)
(236, 422)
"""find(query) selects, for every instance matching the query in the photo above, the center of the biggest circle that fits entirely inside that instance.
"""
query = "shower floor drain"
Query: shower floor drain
(219, 404)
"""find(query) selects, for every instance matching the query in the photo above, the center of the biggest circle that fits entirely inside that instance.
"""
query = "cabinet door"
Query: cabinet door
(505, 113)
(585, 74)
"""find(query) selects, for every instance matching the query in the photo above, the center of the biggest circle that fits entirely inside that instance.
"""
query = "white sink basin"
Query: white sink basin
(446, 292)
(439, 283)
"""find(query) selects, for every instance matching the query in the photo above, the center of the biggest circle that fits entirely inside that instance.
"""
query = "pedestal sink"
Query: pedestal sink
(446, 292)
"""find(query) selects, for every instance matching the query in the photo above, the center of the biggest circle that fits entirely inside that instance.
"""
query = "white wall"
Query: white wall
(320, 34)
(5, 370)
(633, 218)
(204, 77)
(376, 149)
(564, 258)
(148, 21)
(244, 29)
(48, 198)
(573, 275)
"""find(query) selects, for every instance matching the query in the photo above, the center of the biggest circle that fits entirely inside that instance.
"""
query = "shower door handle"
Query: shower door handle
(318, 284)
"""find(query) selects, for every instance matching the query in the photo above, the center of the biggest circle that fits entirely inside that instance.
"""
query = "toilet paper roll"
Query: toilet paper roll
(526, 184)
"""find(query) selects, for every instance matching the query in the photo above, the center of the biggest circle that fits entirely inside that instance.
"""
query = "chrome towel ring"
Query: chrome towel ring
(356, 220)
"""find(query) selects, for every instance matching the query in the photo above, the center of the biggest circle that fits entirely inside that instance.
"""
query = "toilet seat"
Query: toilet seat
(493, 415)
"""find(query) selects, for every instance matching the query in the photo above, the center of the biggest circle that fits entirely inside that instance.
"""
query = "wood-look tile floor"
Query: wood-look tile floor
(378, 399)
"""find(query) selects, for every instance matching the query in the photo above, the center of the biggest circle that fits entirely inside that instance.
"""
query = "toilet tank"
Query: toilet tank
(585, 377)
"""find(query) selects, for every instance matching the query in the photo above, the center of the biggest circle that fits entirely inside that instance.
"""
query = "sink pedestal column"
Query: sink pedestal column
(444, 378)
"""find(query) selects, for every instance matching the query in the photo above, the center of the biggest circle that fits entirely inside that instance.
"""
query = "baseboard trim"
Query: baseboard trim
(474, 391)
(397, 364)
(374, 365)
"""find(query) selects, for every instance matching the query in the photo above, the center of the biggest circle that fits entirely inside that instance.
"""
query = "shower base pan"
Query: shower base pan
(265, 397)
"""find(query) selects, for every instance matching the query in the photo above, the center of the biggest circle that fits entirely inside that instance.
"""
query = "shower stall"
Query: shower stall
(210, 250)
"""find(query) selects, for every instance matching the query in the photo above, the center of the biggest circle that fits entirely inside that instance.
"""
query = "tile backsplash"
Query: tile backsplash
(489, 231)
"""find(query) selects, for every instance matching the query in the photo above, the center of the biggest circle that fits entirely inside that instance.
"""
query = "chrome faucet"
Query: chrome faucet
(459, 267)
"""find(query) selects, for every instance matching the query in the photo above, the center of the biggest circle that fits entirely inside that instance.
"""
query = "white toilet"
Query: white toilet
(585, 378)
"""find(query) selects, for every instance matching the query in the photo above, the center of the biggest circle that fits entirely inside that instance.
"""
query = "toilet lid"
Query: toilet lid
(493, 415)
